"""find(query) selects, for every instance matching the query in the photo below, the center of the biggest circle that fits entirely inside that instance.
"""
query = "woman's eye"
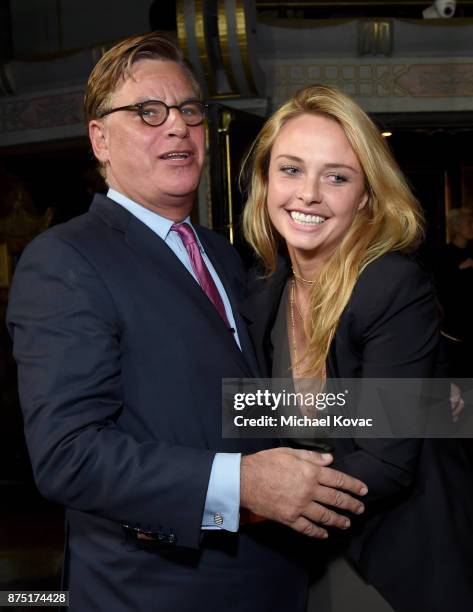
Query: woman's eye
(291, 170)
(338, 179)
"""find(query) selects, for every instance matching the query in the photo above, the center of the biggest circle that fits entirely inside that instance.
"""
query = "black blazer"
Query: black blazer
(120, 361)
(415, 542)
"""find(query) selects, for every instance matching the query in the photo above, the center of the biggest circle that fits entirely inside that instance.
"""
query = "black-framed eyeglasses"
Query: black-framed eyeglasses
(155, 112)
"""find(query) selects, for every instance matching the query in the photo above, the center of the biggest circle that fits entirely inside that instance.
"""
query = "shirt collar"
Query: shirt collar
(159, 224)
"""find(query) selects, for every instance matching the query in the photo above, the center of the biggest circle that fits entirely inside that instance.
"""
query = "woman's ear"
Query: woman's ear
(364, 200)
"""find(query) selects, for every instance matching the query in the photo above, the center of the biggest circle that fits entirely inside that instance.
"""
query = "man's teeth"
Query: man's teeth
(176, 155)
(306, 219)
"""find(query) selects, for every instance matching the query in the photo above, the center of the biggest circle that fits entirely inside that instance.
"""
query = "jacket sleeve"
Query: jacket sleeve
(392, 324)
(66, 334)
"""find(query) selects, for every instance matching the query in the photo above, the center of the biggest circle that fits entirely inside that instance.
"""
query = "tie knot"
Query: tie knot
(185, 232)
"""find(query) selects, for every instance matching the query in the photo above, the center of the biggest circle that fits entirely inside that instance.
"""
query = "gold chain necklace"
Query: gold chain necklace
(298, 310)
(292, 302)
(302, 279)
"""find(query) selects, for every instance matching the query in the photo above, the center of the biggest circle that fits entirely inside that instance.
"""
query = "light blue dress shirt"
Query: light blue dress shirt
(222, 503)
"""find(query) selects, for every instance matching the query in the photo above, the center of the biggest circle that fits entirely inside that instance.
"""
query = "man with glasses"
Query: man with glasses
(125, 320)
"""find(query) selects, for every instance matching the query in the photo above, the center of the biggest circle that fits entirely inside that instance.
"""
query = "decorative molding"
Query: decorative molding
(360, 80)
(438, 80)
(194, 19)
(202, 23)
(244, 29)
(45, 112)
(375, 80)
(219, 39)
(375, 37)
(224, 41)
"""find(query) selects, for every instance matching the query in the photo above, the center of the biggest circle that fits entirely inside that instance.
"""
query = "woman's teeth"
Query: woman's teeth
(303, 219)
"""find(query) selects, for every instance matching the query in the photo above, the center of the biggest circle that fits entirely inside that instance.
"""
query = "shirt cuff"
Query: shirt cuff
(222, 504)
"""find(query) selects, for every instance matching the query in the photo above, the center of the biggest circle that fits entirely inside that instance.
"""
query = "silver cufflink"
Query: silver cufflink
(218, 519)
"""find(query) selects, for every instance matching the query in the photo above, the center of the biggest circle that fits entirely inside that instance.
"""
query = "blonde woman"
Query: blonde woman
(334, 223)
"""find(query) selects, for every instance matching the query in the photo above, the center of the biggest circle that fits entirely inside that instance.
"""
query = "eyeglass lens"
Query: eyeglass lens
(155, 113)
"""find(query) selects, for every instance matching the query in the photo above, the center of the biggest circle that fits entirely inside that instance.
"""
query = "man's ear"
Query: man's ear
(98, 139)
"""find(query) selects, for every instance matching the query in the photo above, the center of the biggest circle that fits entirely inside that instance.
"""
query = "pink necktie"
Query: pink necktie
(202, 273)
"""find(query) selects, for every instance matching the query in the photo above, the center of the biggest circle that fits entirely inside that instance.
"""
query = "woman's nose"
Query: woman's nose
(310, 192)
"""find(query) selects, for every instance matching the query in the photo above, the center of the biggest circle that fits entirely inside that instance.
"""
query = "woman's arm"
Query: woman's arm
(389, 330)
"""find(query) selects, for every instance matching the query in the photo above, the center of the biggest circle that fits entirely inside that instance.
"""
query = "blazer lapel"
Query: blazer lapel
(259, 310)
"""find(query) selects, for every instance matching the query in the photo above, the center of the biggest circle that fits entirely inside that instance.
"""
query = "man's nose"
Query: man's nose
(175, 124)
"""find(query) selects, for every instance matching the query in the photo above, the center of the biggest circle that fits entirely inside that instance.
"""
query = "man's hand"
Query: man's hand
(294, 487)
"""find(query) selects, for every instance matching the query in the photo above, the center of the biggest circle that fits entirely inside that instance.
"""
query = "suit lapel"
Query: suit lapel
(245, 341)
(170, 270)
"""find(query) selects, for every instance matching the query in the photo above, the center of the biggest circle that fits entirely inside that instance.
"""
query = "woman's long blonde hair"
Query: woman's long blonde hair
(390, 221)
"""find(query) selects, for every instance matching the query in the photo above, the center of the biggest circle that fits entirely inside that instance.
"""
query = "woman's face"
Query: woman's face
(316, 185)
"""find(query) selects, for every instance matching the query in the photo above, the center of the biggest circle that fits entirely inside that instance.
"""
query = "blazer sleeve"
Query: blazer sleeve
(391, 330)
(66, 334)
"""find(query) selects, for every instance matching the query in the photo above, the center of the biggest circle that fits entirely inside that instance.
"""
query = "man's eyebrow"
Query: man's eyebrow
(143, 99)
(329, 166)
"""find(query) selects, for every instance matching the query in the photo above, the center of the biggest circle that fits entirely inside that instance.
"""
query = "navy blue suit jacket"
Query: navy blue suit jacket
(120, 359)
